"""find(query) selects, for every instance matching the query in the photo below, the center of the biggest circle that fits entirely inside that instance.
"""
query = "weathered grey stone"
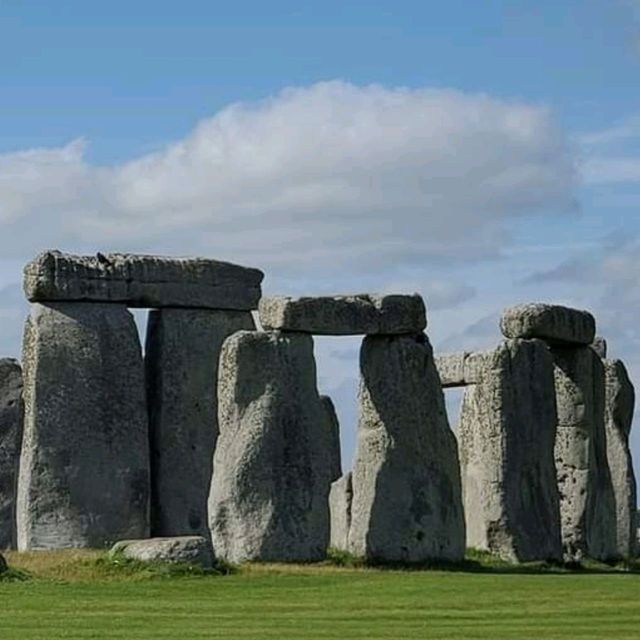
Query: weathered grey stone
(194, 550)
(553, 323)
(340, 508)
(587, 503)
(506, 434)
(599, 345)
(142, 281)
(619, 407)
(3, 564)
(10, 441)
(84, 468)
(345, 315)
(407, 503)
(272, 466)
(459, 369)
(334, 428)
(181, 357)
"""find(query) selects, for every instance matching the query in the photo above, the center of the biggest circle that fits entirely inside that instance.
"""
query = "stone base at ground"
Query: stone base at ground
(182, 352)
(195, 550)
(340, 507)
(272, 466)
(407, 503)
(84, 468)
(10, 441)
(506, 435)
(619, 407)
(587, 502)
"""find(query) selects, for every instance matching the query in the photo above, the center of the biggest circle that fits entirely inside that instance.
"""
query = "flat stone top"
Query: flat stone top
(142, 281)
(345, 314)
(553, 323)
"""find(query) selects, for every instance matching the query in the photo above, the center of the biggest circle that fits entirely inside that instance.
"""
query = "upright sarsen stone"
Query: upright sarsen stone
(84, 469)
(506, 433)
(587, 502)
(10, 440)
(619, 407)
(340, 508)
(181, 358)
(272, 467)
(407, 503)
(334, 429)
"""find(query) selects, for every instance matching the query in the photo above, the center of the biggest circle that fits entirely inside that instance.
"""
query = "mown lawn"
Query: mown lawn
(79, 595)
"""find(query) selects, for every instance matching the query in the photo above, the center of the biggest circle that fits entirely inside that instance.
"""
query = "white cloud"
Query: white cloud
(322, 177)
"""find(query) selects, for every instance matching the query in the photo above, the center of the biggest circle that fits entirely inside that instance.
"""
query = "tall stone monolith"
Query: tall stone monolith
(619, 407)
(506, 434)
(181, 358)
(272, 466)
(407, 503)
(10, 441)
(334, 428)
(84, 469)
(587, 502)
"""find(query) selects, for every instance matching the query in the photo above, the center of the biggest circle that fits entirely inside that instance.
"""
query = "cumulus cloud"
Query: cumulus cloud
(325, 176)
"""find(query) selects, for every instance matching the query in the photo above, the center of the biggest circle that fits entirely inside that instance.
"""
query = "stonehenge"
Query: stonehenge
(506, 433)
(11, 414)
(215, 441)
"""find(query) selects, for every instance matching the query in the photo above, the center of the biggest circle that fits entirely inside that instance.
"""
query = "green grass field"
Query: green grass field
(82, 595)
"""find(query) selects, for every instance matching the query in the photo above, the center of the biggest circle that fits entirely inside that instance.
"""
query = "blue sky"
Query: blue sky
(482, 153)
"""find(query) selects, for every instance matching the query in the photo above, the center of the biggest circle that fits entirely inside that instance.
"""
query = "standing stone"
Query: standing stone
(10, 440)
(587, 503)
(506, 434)
(181, 357)
(334, 429)
(619, 407)
(340, 507)
(407, 503)
(272, 466)
(84, 468)
(599, 345)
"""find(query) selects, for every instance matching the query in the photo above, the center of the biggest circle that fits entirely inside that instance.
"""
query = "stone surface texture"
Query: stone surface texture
(506, 434)
(345, 315)
(599, 345)
(340, 508)
(194, 550)
(587, 503)
(407, 503)
(142, 281)
(10, 441)
(84, 468)
(552, 323)
(3, 564)
(459, 369)
(334, 429)
(181, 359)
(619, 407)
(272, 466)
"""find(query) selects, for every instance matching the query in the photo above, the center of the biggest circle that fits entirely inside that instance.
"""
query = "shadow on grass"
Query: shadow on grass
(483, 562)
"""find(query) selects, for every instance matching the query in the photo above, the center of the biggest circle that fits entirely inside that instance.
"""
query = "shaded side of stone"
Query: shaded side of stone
(142, 281)
(334, 428)
(619, 407)
(552, 323)
(194, 550)
(407, 503)
(84, 469)
(587, 502)
(10, 441)
(272, 467)
(507, 431)
(345, 315)
(340, 507)
(181, 359)
(599, 345)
